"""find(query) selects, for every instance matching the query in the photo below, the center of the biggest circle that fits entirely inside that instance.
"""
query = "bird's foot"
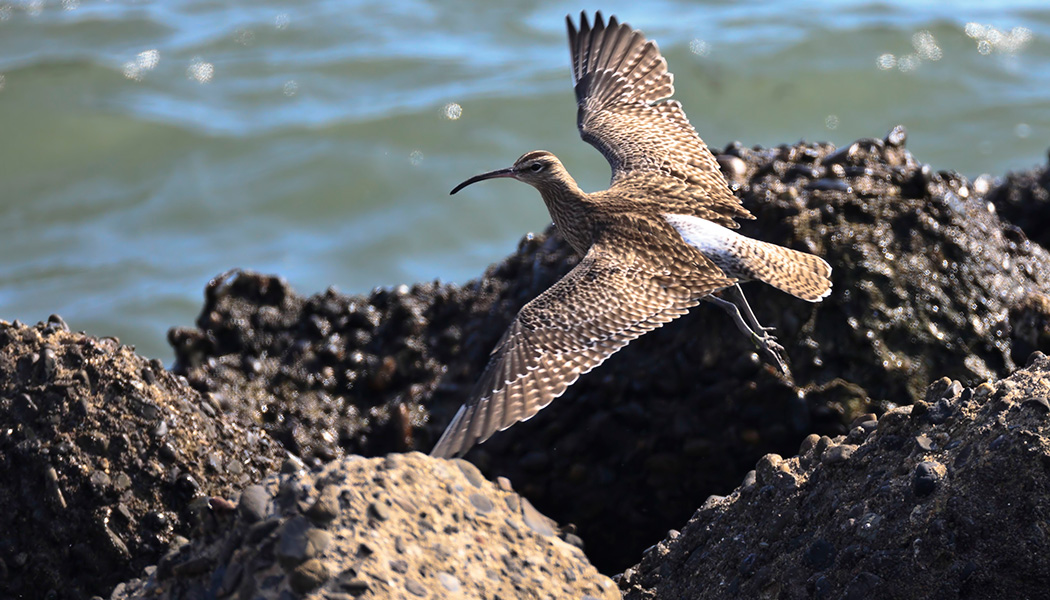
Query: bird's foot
(760, 336)
(773, 351)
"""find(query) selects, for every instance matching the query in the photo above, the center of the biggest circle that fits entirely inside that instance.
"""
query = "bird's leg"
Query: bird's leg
(760, 336)
(749, 314)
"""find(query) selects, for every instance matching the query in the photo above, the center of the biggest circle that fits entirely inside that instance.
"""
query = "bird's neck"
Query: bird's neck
(570, 209)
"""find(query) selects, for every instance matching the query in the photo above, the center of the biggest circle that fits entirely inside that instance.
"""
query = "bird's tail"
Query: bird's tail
(800, 274)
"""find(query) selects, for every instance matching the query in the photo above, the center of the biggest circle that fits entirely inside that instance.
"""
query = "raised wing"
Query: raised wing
(622, 93)
(592, 312)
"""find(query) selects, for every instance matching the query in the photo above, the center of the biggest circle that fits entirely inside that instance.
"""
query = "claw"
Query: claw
(760, 336)
(771, 348)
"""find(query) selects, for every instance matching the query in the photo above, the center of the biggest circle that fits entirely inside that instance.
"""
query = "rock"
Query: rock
(927, 475)
(309, 576)
(928, 283)
(430, 545)
(101, 464)
(951, 520)
(838, 453)
(253, 503)
(1023, 199)
(820, 555)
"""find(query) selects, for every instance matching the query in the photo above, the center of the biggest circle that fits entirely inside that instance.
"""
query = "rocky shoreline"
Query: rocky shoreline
(239, 472)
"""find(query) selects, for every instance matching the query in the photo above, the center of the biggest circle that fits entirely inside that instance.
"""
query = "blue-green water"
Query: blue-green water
(148, 145)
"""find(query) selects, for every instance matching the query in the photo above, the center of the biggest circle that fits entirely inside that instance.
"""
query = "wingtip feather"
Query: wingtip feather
(450, 443)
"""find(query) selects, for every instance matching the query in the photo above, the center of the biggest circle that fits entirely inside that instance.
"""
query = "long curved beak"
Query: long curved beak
(482, 177)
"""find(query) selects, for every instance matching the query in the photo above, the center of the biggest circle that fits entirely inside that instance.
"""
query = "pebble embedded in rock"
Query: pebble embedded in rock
(927, 475)
(868, 525)
(767, 467)
(155, 521)
(448, 581)
(57, 322)
(822, 445)
(821, 587)
(309, 576)
(897, 136)
(294, 546)
(58, 500)
(535, 520)
(292, 464)
(821, 555)
(954, 390)
(469, 471)
(942, 409)
(260, 530)
(1040, 404)
(416, 588)
(379, 510)
(924, 443)
(829, 185)
(983, 390)
(862, 419)
(319, 541)
(186, 484)
(47, 365)
(100, 481)
(325, 508)
(839, 453)
(355, 586)
(713, 500)
(750, 479)
(482, 503)
(116, 544)
(808, 443)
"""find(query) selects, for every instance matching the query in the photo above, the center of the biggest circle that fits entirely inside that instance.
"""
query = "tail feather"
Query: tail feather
(800, 274)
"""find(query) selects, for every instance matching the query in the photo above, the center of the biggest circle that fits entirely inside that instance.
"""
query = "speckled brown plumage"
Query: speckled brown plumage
(655, 244)
(623, 92)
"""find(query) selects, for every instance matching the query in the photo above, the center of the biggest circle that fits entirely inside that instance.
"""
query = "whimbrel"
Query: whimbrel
(656, 243)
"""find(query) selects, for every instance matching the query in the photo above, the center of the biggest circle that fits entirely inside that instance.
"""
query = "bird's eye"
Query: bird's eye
(536, 167)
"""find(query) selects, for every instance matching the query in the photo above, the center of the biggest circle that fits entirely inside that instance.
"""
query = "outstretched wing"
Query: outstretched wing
(596, 309)
(622, 93)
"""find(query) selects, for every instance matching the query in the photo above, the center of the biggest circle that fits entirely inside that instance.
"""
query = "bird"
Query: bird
(656, 243)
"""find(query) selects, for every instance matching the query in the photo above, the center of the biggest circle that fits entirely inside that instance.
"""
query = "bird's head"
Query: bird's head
(537, 168)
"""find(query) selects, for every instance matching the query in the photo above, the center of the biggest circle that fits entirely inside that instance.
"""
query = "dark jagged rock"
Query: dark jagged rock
(928, 283)
(947, 498)
(335, 374)
(104, 456)
(1023, 199)
(404, 526)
